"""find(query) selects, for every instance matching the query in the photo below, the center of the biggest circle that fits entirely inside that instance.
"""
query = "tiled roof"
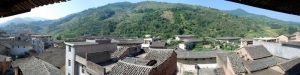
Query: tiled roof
(265, 72)
(288, 35)
(197, 54)
(292, 43)
(127, 41)
(157, 44)
(34, 66)
(291, 67)
(236, 62)
(54, 56)
(17, 43)
(119, 52)
(184, 36)
(160, 55)
(135, 61)
(258, 51)
(192, 40)
(125, 68)
(227, 38)
(262, 63)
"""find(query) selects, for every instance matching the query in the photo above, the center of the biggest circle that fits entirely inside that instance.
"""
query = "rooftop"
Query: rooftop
(184, 36)
(16, 43)
(227, 38)
(292, 43)
(236, 62)
(128, 41)
(291, 67)
(158, 44)
(262, 63)
(198, 54)
(257, 52)
(54, 56)
(34, 66)
(265, 38)
(80, 43)
(125, 68)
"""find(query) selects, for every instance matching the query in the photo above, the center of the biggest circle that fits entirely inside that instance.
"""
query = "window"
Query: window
(210, 58)
(196, 59)
(12, 46)
(69, 74)
(82, 69)
(69, 62)
(23, 46)
(32, 41)
(69, 48)
(203, 59)
(18, 46)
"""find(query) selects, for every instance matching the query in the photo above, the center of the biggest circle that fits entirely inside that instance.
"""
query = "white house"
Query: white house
(147, 42)
(47, 39)
(76, 53)
(19, 47)
(37, 45)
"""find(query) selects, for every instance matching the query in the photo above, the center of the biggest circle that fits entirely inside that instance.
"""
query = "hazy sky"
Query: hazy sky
(58, 10)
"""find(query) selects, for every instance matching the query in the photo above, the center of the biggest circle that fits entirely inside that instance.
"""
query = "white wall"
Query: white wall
(182, 46)
(19, 51)
(70, 56)
(279, 50)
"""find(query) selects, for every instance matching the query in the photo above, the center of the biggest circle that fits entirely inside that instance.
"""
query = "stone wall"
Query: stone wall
(95, 67)
(279, 50)
(98, 57)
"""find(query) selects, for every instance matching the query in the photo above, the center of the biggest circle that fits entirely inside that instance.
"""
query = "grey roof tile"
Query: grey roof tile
(257, 52)
(291, 67)
(158, 44)
(262, 63)
(198, 54)
(236, 62)
(54, 56)
(34, 66)
(125, 68)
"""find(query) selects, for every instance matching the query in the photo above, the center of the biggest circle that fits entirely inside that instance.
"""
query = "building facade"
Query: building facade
(77, 50)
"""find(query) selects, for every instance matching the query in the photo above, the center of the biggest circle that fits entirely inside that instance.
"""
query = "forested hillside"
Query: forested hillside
(158, 19)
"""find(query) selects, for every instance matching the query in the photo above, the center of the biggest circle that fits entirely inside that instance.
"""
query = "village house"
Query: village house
(5, 49)
(58, 43)
(266, 39)
(256, 60)
(146, 43)
(123, 52)
(246, 42)
(47, 39)
(76, 52)
(158, 45)
(4, 64)
(37, 45)
(19, 47)
(297, 36)
(228, 39)
(55, 57)
(182, 37)
(286, 38)
(129, 43)
(34, 66)
(187, 59)
(286, 50)
(156, 62)
(189, 44)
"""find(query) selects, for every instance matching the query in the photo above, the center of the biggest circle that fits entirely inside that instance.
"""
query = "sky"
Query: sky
(58, 10)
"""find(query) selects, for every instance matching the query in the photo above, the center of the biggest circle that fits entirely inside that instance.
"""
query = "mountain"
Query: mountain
(21, 20)
(243, 13)
(158, 19)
